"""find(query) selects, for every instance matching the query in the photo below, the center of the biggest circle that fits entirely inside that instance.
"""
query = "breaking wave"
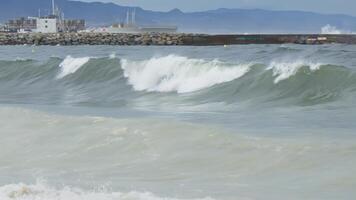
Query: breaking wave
(70, 65)
(284, 70)
(179, 74)
(114, 81)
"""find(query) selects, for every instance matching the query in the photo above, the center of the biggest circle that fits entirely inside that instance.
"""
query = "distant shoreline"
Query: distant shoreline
(165, 39)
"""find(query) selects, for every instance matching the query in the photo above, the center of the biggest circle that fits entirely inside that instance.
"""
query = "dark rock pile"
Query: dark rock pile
(91, 39)
(167, 39)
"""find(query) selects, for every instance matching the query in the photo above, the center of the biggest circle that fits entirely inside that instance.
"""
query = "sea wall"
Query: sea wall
(90, 39)
(167, 39)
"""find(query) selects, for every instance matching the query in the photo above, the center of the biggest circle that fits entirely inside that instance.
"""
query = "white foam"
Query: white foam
(70, 65)
(179, 74)
(328, 29)
(112, 55)
(41, 191)
(284, 70)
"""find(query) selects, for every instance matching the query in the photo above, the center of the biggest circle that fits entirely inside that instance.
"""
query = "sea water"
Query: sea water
(152, 123)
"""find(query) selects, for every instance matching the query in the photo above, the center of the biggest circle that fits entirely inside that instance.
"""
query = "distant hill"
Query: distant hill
(213, 21)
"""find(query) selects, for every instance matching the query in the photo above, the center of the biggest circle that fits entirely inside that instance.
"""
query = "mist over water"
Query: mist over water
(242, 122)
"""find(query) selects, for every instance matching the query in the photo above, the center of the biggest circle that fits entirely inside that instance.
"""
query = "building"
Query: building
(53, 23)
(46, 25)
(33, 24)
(131, 27)
(2, 28)
(21, 25)
(73, 25)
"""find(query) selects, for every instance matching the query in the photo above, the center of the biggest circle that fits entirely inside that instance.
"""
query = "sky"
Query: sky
(321, 6)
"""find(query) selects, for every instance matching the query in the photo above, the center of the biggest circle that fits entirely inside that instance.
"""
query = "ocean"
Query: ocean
(252, 122)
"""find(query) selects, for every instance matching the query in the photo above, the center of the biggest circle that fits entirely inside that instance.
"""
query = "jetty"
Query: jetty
(171, 39)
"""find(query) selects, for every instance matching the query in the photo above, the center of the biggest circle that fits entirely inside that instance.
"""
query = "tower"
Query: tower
(133, 17)
(53, 8)
(127, 17)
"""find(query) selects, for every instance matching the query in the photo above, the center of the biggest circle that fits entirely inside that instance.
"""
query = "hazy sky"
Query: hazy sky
(323, 6)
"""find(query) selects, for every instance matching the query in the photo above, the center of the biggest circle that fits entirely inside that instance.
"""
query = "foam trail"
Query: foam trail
(179, 74)
(70, 65)
(41, 191)
(284, 70)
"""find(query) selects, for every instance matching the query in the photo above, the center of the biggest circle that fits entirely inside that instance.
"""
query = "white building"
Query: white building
(46, 25)
(53, 23)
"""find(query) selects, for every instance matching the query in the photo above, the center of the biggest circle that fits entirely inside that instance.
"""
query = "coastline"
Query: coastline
(70, 39)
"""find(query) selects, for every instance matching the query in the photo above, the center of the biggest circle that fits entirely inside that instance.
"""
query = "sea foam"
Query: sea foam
(70, 65)
(333, 30)
(41, 191)
(179, 74)
(284, 70)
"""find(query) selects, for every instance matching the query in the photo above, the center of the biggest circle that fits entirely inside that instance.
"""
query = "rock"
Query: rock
(91, 39)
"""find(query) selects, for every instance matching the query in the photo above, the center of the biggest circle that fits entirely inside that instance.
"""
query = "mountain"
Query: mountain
(213, 21)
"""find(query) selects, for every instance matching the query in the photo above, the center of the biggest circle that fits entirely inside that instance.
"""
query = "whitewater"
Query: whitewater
(178, 123)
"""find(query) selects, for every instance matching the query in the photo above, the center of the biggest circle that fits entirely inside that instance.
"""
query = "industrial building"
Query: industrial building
(46, 25)
(21, 25)
(73, 25)
(53, 23)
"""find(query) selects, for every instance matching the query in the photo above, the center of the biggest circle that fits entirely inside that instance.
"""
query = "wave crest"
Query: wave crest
(179, 74)
(70, 65)
(107, 81)
(284, 70)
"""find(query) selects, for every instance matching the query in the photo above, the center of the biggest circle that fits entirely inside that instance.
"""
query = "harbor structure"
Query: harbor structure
(20, 25)
(46, 25)
(3, 28)
(130, 26)
(52, 23)
(73, 25)
(89, 38)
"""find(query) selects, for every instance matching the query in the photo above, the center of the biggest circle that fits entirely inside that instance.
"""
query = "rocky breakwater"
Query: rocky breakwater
(91, 39)
(168, 39)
